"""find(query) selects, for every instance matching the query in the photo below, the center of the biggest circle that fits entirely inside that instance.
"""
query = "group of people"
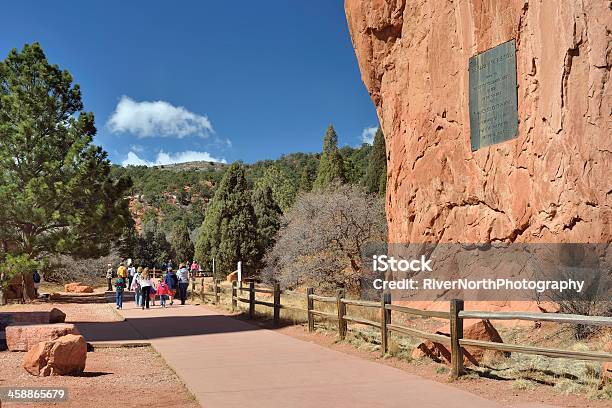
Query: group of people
(146, 287)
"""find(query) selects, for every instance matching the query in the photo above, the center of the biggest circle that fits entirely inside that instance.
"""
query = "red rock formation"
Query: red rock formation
(550, 184)
(63, 356)
(23, 337)
(475, 330)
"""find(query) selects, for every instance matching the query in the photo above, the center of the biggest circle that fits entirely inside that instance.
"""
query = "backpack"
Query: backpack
(36, 277)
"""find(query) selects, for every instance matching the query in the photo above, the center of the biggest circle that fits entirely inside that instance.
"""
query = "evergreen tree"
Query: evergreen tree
(56, 192)
(229, 230)
(181, 242)
(128, 243)
(376, 175)
(282, 185)
(162, 249)
(268, 215)
(331, 165)
(305, 182)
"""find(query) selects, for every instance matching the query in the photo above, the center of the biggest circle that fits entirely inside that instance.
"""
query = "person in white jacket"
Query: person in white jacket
(145, 287)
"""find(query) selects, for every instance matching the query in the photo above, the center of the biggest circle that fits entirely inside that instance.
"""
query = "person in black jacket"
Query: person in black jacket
(36, 279)
(172, 281)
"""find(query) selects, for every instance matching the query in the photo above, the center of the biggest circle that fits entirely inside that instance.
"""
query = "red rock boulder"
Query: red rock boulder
(435, 351)
(475, 330)
(56, 316)
(82, 289)
(23, 337)
(63, 356)
(69, 287)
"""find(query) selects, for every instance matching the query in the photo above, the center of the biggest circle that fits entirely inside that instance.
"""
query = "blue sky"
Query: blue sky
(172, 81)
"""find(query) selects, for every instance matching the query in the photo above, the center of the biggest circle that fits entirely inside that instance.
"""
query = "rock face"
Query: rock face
(550, 184)
(475, 330)
(63, 356)
(23, 337)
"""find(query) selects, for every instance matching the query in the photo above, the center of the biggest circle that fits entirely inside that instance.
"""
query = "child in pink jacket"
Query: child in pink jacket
(162, 290)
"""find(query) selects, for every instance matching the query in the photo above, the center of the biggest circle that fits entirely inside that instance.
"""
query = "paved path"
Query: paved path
(230, 363)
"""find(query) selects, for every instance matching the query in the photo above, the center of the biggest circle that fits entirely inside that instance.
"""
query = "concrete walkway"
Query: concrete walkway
(229, 363)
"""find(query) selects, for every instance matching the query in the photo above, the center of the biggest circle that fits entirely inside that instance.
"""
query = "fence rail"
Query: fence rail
(456, 316)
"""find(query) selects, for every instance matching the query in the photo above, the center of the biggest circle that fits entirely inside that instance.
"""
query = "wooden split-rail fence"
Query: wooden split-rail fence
(456, 315)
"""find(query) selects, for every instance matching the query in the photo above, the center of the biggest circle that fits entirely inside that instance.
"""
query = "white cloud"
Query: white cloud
(164, 158)
(137, 148)
(367, 135)
(157, 118)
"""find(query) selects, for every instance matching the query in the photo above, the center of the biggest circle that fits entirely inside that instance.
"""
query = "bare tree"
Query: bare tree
(323, 236)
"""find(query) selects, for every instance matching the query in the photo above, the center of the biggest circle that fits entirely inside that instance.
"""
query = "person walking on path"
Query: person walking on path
(162, 290)
(183, 280)
(135, 286)
(109, 277)
(122, 271)
(36, 279)
(145, 287)
(172, 282)
(119, 287)
(131, 273)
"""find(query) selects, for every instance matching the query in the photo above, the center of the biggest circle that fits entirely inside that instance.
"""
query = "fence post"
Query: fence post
(251, 299)
(234, 300)
(216, 289)
(193, 282)
(385, 319)
(310, 306)
(341, 312)
(277, 300)
(456, 333)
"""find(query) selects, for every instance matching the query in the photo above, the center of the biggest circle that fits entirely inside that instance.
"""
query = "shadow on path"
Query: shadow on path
(149, 328)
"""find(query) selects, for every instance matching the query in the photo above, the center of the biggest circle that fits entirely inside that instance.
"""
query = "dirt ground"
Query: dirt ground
(75, 312)
(112, 375)
(508, 392)
(127, 377)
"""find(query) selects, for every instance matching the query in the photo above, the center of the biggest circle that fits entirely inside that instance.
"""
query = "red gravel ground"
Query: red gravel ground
(126, 377)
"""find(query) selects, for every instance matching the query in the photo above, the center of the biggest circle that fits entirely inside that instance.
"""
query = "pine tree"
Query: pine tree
(181, 242)
(56, 190)
(229, 230)
(305, 184)
(376, 175)
(268, 215)
(331, 165)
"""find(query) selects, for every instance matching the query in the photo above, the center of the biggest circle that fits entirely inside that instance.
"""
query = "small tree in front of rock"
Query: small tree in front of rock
(375, 179)
(331, 165)
(323, 238)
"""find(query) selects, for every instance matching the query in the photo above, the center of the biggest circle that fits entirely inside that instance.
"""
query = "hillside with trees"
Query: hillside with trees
(234, 212)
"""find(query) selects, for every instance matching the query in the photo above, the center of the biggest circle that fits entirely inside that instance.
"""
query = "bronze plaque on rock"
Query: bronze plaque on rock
(493, 98)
